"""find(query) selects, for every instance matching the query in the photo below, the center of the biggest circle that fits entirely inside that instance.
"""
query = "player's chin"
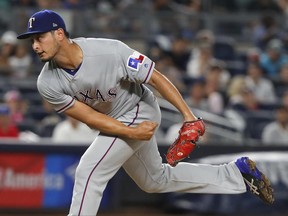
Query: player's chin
(43, 59)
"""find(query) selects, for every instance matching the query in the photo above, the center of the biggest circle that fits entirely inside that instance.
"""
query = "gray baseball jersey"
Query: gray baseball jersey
(109, 78)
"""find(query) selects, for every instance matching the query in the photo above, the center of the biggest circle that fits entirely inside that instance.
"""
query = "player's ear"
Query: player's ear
(60, 33)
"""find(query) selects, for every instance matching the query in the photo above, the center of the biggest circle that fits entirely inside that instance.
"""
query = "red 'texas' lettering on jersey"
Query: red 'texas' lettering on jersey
(140, 58)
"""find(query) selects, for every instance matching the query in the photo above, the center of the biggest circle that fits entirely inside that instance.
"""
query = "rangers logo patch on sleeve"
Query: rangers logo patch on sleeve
(135, 60)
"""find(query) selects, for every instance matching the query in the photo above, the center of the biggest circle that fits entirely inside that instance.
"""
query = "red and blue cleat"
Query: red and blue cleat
(256, 182)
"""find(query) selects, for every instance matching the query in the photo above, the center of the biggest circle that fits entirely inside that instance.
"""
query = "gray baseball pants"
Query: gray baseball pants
(143, 163)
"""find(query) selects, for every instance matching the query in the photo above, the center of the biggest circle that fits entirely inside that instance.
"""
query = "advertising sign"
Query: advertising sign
(21, 180)
(36, 180)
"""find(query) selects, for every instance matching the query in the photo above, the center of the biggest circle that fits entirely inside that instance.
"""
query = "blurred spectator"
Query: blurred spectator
(158, 46)
(197, 96)
(8, 42)
(217, 73)
(48, 123)
(166, 65)
(179, 53)
(215, 98)
(72, 131)
(202, 57)
(20, 62)
(234, 90)
(264, 30)
(247, 102)
(205, 36)
(234, 98)
(273, 59)
(281, 84)
(216, 81)
(276, 132)
(253, 55)
(262, 88)
(200, 60)
(7, 128)
(9, 37)
(16, 104)
(247, 95)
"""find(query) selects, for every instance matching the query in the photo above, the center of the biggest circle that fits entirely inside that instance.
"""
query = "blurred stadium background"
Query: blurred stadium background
(228, 58)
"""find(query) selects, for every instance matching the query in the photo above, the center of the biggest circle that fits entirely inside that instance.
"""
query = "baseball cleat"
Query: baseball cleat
(256, 182)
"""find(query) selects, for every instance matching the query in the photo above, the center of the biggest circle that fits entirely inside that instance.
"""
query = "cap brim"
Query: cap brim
(28, 34)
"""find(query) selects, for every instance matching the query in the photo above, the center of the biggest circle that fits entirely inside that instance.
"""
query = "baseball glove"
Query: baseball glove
(186, 141)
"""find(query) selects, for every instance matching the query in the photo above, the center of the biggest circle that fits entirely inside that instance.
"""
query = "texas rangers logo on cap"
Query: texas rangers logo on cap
(135, 60)
(41, 22)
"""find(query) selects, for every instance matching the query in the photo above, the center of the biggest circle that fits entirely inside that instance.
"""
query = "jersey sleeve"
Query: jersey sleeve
(54, 96)
(137, 67)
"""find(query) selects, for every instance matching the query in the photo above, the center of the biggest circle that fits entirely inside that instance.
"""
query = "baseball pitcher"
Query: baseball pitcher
(102, 83)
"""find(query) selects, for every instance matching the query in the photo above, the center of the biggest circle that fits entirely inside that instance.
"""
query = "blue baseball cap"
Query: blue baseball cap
(41, 22)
